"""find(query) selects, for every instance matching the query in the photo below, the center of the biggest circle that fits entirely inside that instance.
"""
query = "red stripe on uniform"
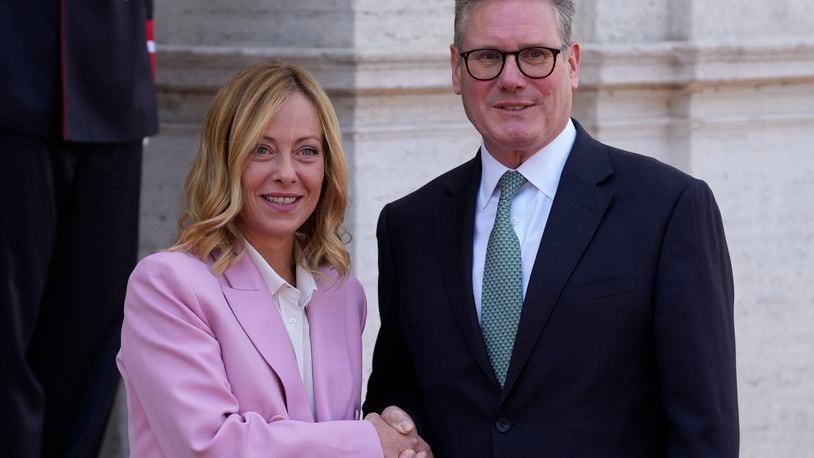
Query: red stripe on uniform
(149, 29)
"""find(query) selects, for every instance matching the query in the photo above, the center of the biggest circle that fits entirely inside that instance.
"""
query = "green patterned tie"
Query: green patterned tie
(502, 295)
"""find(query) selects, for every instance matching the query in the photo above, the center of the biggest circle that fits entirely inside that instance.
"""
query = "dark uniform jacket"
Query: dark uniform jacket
(63, 74)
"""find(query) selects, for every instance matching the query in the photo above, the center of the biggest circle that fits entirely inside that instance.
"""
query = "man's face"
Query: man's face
(515, 114)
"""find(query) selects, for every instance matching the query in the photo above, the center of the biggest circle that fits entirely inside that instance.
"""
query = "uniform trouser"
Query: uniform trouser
(68, 241)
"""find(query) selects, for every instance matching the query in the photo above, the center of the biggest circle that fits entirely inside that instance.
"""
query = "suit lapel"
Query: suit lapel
(578, 208)
(454, 225)
(256, 311)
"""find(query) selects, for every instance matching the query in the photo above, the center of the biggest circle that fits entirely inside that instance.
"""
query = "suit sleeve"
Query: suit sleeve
(170, 360)
(393, 380)
(694, 330)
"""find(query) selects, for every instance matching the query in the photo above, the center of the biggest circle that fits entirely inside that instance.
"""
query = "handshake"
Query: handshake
(398, 435)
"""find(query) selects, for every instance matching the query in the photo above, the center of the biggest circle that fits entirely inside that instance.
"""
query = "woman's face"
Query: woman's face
(283, 178)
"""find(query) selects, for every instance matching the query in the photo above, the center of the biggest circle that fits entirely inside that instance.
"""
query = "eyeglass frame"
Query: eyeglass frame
(554, 51)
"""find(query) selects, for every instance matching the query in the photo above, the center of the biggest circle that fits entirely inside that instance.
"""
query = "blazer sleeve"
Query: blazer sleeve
(695, 337)
(393, 380)
(170, 360)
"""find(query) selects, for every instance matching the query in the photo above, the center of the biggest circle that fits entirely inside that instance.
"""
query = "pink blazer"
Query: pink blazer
(210, 371)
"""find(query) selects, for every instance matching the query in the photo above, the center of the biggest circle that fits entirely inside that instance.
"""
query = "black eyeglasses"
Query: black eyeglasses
(486, 64)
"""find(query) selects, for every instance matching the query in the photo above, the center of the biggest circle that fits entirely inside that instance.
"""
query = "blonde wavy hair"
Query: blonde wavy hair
(213, 197)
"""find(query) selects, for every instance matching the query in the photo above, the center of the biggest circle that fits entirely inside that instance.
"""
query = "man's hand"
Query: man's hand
(394, 444)
(398, 435)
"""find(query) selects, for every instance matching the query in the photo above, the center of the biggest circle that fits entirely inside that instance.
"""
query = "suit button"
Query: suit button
(503, 425)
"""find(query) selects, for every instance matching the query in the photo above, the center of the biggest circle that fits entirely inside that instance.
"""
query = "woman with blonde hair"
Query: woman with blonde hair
(244, 338)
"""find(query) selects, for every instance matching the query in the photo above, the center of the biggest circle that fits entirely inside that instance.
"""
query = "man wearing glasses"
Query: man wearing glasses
(554, 296)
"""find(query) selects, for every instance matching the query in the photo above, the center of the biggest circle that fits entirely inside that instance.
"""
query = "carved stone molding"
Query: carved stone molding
(645, 65)
(340, 70)
(697, 65)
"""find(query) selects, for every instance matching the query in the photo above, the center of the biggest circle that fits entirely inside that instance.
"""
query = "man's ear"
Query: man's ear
(456, 64)
(573, 65)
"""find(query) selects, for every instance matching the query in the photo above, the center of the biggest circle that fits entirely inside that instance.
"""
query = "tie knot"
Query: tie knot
(509, 183)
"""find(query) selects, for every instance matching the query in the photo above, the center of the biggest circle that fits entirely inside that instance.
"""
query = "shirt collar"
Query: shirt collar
(542, 169)
(307, 285)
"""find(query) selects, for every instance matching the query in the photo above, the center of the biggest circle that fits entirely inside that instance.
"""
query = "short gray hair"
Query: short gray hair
(564, 11)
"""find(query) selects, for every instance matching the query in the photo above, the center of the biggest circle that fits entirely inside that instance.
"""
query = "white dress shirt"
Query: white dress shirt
(530, 206)
(292, 303)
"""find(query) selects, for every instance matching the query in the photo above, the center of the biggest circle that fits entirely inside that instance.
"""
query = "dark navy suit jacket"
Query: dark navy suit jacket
(625, 346)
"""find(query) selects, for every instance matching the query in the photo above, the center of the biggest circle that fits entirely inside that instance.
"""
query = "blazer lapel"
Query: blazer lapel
(454, 225)
(578, 208)
(333, 380)
(256, 311)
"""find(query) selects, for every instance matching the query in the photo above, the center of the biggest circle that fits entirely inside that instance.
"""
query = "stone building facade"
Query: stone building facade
(723, 90)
